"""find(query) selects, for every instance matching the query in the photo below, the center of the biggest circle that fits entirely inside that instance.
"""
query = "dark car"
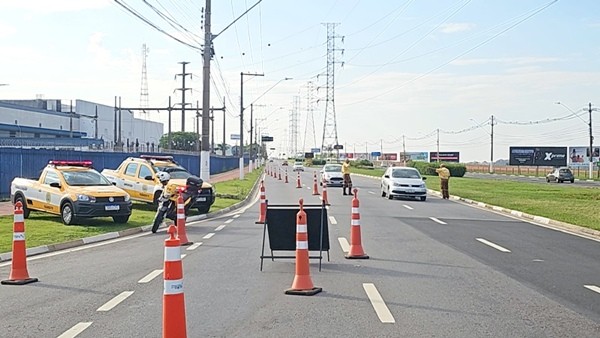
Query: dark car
(560, 175)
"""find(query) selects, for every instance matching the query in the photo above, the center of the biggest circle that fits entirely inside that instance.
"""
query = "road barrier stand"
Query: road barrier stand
(174, 324)
(356, 250)
(298, 184)
(302, 284)
(181, 234)
(315, 185)
(18, 268)
(325, 200)
(263, 204)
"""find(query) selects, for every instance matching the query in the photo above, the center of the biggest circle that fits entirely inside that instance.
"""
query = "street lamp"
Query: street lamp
(491, 141)
(591, 154)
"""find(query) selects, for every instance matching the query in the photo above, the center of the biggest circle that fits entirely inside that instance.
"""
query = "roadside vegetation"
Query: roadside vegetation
(46, 229)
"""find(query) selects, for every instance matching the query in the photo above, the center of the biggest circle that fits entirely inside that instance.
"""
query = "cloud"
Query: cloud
(54, 5)
(519, 61)
(6, 30)
(456, 27)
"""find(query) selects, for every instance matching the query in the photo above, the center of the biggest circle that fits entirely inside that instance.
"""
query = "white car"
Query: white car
(403, 182)
(331, 175)
(298, 166)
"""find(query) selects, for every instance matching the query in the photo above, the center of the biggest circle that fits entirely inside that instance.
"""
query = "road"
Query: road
(442, 268)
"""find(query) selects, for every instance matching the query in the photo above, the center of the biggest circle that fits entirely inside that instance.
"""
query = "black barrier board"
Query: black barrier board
(538, 156)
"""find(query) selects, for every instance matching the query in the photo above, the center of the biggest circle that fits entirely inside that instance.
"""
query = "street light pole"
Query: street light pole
(241, 164)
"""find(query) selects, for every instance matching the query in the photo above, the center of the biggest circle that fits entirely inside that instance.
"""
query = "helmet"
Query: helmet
(163, 176)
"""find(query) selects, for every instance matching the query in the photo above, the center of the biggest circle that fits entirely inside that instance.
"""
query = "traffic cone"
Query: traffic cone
(174, 325)
(325, 200)
(315, 186)
(286, 179)
(356, 249)
(18, 269)
(298, 184)
(280, 174)
(302, 284)
(263, 204)
(181, 221)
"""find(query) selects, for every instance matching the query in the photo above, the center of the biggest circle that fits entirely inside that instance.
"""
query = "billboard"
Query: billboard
(235, 137)
(415, 156)
(447, 156)
(538, 156)
(581, 155)
(267, 138)
(389, 157)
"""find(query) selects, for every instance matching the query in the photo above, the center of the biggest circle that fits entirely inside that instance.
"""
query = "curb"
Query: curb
(128, 232)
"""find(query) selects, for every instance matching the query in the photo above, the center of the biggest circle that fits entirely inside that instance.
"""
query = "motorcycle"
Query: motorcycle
(167, 206)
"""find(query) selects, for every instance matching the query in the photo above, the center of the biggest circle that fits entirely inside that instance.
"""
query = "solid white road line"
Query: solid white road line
(407, 207)
(228, 221)
(194, 246)
(372, 193)
(183, 256)
(236, 216)
(208, 236)
(495, 246)
(75, 330)
(332, 220)
(220, 227)
(149, 277)
(344, 244)
(115, 301)
(437, 220)
(384, 314)
(593, 288)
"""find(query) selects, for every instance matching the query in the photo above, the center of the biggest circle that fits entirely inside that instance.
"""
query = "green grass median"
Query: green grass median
(46, 229)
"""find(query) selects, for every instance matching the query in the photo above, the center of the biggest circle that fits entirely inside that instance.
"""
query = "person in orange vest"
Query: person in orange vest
(444, 175)
(347, 179)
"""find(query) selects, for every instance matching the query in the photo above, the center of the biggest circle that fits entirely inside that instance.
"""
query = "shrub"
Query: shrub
(426, 168)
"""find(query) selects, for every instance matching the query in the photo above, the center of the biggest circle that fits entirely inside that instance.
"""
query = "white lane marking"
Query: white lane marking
(344, 244)
(384, 314)
(208, 236)
(308, 188)
(372, 193)
(149, 277)
(183, 256)
(236, 216)
(593, 288)
(115, 301)
(332, 220)
(220, 227)
(493, 245)
(194, 246)
(75, 330)
(407, 207)
(228, 221)
(437, 220)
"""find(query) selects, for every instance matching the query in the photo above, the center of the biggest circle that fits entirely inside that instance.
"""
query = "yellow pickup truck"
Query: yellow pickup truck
(137, 176)
(73, 190)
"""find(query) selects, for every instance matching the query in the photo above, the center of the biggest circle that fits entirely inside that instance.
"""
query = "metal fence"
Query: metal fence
(22, 162)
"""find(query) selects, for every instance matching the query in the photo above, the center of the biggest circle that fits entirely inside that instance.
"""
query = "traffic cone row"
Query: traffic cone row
(263, 204)
(174, 323)
(356, 250)
(181, 220)
(302, 284)
(18, 268)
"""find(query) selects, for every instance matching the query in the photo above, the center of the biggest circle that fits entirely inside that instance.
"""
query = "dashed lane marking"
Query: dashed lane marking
(407, 207)
(149, 277)
(437, 220)
(220, 227)
(228, 221)
(332, 220)
(493, 245)
(384, 314)
(75, 330)
(344, 244)
(115, 301)
(194, 246)
(208, 236)
(236, 216)
(372, 193)
(183, 256)
(593, 288)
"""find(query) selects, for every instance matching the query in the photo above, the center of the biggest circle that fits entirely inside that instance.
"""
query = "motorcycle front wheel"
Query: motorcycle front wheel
(158, 218)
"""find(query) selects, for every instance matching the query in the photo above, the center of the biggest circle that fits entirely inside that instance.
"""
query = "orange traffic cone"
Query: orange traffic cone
(18, 269)
(298, 184)
(174, 325)
(280, 174)
(302, 284)
(263, 204)
(356, 249)
(325, 200)
(286, 180)
(181, 221)
(315, 186)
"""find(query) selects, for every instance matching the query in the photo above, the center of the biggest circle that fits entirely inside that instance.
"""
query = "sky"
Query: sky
(409, 75)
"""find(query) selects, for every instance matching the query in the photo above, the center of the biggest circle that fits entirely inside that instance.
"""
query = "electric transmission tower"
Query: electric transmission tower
(294, 126)
(144, 99)
(310, 118)
(330, 136)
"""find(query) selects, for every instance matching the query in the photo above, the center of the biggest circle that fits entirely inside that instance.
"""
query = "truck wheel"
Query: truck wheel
(26, 211)
(204, 210)
(120, 219)
(67, 214)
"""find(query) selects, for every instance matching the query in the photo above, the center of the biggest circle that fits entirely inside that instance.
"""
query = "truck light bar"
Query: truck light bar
(157, 157)
(71, 163)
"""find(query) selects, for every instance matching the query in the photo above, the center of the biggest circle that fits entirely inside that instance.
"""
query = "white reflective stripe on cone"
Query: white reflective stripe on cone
(179, 206)
(18, 236)
(172, 254)
(355, 222)
(302, 245)
(180, 216)
(301, 228)
(355, 210)
(173, 287)
(19, 218)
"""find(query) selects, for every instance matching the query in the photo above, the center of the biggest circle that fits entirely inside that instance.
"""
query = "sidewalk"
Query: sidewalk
(6, 208)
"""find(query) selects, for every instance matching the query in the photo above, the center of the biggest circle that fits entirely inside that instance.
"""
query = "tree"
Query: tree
(180, 140)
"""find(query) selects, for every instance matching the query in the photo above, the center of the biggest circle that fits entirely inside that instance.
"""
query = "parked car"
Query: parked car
(403, 182)
(298, 166)
(331, 175)
(560, 175)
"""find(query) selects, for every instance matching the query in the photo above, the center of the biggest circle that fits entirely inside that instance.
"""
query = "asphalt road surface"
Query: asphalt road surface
(437, 269)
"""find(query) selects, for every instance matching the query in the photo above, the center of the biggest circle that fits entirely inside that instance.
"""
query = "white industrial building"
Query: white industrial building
(41, 122)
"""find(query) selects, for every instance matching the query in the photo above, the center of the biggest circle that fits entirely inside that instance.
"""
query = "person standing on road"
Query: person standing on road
(347, 179)
(444, 175)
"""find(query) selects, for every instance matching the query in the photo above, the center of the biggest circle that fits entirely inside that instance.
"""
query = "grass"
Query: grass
(46, 229)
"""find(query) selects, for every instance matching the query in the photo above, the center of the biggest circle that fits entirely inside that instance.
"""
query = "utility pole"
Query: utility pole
(144, 86)
(183, 89)
(404, 150)
(591, 169)
(169, 131)
(492, 147)
(242, 120)
(438, 145)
